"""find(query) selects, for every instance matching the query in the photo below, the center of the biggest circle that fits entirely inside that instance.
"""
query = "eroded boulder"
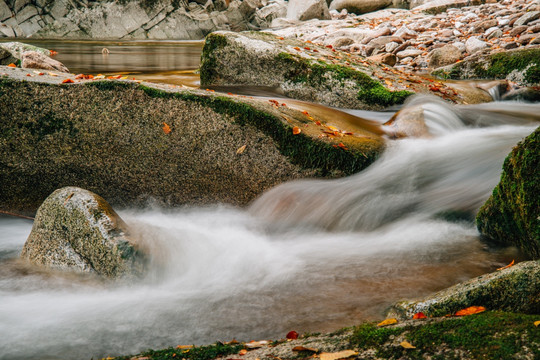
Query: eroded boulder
(36, 60)
(77, 230)
(512, 213)
(514, 289)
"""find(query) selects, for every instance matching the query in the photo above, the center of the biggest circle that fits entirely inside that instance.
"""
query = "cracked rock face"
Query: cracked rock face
(77, 230)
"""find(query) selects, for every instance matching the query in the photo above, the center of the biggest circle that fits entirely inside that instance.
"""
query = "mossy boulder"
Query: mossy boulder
(521, 66)
(513, 289)
(77, 230)
(110, 137)
(311, 72)
(512, 213)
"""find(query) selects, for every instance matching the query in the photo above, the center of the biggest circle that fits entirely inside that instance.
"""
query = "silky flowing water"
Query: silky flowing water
(310, 255)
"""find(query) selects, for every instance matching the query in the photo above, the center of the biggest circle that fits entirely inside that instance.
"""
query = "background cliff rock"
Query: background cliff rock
(144, 19)
(78, 230)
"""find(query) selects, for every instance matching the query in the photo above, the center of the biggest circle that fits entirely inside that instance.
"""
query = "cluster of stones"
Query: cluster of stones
(420, 39)
(145, 19)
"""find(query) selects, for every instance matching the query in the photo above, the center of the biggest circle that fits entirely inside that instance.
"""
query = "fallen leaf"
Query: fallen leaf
(419, 315)
(242, 352)
(52, 52)
(256, 344)
(67, 81)
(12, 65)
(407, 345)
(241, 149)
(166, 128)
(388, 82)
(507, 266)
(303, 348)
(293, 335)
(470, 310)
(52, 74)
(296, 130)
(296, 48)
(537, 323)
(232, 342)
(341, 145)
(338, 355)
(184, 347)
(388, 322)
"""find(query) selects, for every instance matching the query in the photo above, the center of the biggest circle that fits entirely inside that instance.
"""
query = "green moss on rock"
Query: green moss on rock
(512, 213)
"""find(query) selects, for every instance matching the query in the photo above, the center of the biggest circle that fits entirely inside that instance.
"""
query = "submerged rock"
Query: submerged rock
(77, 230)
(36, 60)
(512, 213)
(513, 289)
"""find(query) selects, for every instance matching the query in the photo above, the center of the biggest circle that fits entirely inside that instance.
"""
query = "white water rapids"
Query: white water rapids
(309, 255)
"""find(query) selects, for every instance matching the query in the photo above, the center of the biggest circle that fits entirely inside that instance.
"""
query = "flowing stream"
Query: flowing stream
(310, 256)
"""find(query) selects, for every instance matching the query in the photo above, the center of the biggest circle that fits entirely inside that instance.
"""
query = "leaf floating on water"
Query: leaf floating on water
(470, 310)
(407, 345)
(303, 348)
(388, 322)
(338, 355)
(419, 315)
(507, 266)
(292, 335)
(166, 128)
(241, 149)
(296, 130)
(67, 81)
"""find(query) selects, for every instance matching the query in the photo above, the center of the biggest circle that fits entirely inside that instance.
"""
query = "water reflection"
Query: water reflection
(173, 61)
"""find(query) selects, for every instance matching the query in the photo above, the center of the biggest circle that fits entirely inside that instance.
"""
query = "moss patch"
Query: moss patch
(512, 213)
(196, 353)
(208, 67)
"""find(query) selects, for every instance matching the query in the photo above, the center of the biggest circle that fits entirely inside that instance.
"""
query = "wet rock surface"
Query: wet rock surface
(110, 137)
(513, 289)
(512, 215)
(77, 230)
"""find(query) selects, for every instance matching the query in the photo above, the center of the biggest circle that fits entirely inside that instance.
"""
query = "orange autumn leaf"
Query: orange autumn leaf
(242, 352)
(507, 266)
(12, 65)
(241, 149)
(296, 130)
(470, 310)
(296, 48)
(419, 315)
(166, 128)
(292, 335)
(388, 322)
(67, 81)
(537, 323)
(184, 346)
(52, 52)
(341, 145)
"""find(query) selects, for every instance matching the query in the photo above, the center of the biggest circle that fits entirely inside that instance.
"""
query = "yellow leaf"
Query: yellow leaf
(184, 347)
(388, 82)
(388, 322)
(338, 355)
(537, 323)
(241, 149)
(332, 128)
(123, 78)
(303, 348)
(407, 345)
(52, 74)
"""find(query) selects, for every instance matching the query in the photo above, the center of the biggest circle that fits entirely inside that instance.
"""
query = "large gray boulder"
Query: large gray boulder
(360, 6)
(308, 9)
(77, 230)
(514, 289)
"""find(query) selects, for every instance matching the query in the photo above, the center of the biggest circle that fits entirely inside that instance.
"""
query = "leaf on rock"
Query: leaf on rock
(52, 74)
(256, 344)
(12, 65)
(470, 310)
(184, 347)
(338, 355)
(303, 348)
(166, 128)
(407, 345)
(296, 130)
(388, 322)
(537, 323)
(419, 315)
(507, 266)
(242, 352)
(292, 335)
(241, 149)
(67, 81)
